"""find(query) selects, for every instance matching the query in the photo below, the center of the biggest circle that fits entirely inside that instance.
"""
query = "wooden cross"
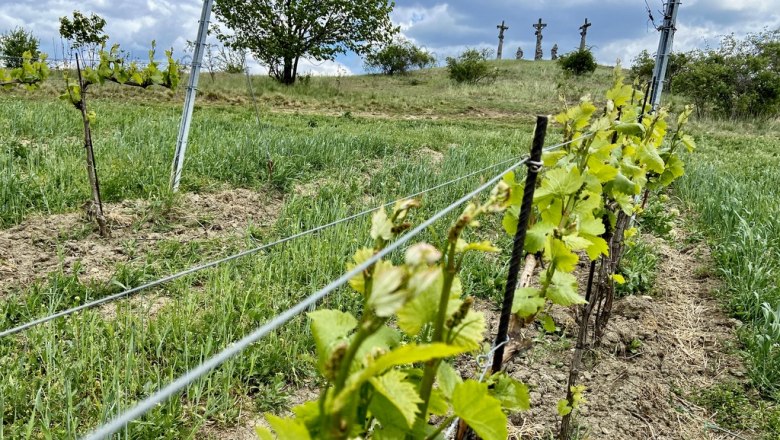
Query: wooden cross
(539, 26)
(584, 33)
(501, 28)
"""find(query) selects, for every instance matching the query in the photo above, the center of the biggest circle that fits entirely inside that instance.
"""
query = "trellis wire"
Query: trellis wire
(204, 368)
(247, 252)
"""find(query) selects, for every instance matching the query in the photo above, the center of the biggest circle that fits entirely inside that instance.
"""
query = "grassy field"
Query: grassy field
(339, 145)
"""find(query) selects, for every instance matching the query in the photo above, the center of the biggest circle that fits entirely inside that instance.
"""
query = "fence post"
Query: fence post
(534, 165)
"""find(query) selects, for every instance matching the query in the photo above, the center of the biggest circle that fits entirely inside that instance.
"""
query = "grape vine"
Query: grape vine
(583, 204)
(30, 75)
(112, 68)
(386, 389)
(380, 387)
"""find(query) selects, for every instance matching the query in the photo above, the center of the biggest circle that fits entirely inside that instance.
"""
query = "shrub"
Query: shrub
(578, 62)
(644, 65)
(14, 44)
(471, 67)
(739, 79)
(399, 57)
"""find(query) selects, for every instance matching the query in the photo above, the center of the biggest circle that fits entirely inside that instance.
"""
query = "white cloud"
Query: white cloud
(305, 66)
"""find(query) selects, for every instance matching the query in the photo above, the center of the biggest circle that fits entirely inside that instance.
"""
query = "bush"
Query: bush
(471, 67)
(399, 57)
(14, 44)
(739, 79)
(578, 62)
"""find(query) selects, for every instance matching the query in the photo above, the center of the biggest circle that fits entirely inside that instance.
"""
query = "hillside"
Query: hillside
(681, 358)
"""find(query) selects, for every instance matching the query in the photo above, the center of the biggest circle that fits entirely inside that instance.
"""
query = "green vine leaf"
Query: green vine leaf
(563, 290)
(560, 256)
(513, 395)
(329, 327)
(448, 379)
(528, 301)
(470, 331)
(286, 429)
(386, 298)
(400, 393)
(473, 403)
(381, 225)
(559, 182)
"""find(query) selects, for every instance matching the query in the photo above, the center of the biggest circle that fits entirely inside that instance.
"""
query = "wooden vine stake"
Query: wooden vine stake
(95, 209)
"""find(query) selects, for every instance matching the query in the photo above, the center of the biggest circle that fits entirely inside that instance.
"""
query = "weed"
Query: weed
(737, 408)
(639, 267)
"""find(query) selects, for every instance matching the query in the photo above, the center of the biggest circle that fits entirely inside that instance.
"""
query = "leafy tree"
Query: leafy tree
(471, 67)
(739, 79)
(83, 31)
(644, 65)
(280, 32)
(578, 62)
(399, 56)
(14, 44)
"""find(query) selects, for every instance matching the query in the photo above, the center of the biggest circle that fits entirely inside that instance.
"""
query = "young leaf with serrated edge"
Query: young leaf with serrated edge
(563, 290)
(527, 302)
(407, 354)
(285, 429)
(402, 394)
(513, 395)
(448, 379)
(473, 403)
(381, 226)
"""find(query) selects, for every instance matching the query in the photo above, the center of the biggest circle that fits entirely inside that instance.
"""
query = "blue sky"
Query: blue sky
(446, 27)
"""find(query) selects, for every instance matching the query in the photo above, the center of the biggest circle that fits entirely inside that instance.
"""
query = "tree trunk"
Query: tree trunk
(288, 76)
(96, 210)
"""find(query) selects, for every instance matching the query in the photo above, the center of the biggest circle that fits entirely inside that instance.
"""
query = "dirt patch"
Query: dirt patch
(433, 156)
(42, 245)
(658, 351)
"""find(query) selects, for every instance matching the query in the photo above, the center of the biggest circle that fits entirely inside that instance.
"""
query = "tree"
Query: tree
(578, 62)
(644, 66)
(739, 79)
(84, 32)
(400, 56)
(280, 32)
(471, 67)
(14, 44)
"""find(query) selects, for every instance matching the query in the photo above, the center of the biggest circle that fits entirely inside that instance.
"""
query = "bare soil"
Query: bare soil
(45, 244)
(658, 352)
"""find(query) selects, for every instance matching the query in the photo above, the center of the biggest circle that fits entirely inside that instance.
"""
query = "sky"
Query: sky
(620, 30)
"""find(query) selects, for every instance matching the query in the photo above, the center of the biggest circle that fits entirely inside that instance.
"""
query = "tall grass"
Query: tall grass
(61, 379)
(731, 183)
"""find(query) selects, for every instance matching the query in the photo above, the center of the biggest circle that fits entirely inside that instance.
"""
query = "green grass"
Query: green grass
(86, 369)
(355, 141)
(730, 183)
